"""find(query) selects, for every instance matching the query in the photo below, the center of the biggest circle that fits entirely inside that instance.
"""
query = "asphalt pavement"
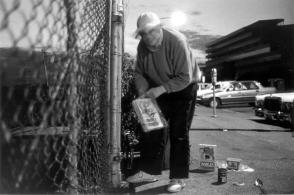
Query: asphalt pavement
(237, 117)
(266, 149)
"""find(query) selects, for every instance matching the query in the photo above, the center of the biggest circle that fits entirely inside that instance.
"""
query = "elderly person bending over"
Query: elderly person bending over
(166, 71)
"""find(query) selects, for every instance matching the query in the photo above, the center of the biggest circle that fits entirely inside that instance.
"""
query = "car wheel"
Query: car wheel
(217, 103)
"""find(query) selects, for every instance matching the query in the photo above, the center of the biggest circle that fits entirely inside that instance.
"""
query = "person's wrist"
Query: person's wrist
(162, 89)
(141, 92)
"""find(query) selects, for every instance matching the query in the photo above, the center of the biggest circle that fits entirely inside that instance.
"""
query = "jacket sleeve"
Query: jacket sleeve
(182, 67)
(140, 80)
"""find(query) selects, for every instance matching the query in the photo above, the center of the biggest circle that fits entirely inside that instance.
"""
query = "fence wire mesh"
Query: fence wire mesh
(54, 58)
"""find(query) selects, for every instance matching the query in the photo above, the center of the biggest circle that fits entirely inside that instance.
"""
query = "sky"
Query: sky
(206, 20)
(207, 17)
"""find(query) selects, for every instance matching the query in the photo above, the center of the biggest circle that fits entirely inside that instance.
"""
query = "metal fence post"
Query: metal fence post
(115, 91)
(1, 130)
(71, 48)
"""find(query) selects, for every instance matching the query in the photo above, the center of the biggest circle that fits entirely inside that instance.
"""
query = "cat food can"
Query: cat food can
(222, 175)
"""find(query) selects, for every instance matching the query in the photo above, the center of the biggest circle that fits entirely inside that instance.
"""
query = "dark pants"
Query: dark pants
(178, 109)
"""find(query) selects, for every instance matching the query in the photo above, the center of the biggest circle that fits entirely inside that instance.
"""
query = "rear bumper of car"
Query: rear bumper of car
(276, 115)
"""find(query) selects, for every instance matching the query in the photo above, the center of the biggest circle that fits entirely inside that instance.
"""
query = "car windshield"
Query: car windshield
(221, 85)
(250, 85)
(208, 87)
(203, 86)
(258, 84)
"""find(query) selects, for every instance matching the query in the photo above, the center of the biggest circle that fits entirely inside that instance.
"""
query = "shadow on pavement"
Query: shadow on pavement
(272, 122)
(200, 171)
(155, 190)
(217, 183)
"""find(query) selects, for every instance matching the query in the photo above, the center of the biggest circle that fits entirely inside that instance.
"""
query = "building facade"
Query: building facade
(262, 51)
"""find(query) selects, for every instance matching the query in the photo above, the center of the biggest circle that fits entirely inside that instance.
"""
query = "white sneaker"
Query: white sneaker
(175, 185)
(141, 177)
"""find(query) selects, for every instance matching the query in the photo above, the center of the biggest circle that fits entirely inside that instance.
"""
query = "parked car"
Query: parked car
(237, 92)
(258, 105)
(219, 86)
(202, 87)
(276, 106)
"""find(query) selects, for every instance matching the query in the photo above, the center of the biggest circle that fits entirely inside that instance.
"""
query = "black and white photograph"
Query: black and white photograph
(147, 97)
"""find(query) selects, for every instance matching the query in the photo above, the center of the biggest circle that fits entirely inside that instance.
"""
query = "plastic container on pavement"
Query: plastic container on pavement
(233, 163)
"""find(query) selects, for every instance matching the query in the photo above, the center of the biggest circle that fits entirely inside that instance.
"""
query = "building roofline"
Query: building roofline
(234, 33)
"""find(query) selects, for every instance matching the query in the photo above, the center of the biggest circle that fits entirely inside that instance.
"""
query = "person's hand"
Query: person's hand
(155, 92)
(141, 94)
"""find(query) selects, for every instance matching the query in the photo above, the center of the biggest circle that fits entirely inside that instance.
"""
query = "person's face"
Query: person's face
(151, 36)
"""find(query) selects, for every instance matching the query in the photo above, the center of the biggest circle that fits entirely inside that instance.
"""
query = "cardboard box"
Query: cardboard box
(207, 158)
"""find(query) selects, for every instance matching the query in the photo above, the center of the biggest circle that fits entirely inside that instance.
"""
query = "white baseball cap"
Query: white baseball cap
(147, 20)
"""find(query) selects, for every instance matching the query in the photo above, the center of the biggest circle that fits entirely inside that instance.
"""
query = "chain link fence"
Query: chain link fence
(54, 63)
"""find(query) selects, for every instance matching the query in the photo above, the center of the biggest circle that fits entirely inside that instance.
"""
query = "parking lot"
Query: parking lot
(267, 148)
(234, 117)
